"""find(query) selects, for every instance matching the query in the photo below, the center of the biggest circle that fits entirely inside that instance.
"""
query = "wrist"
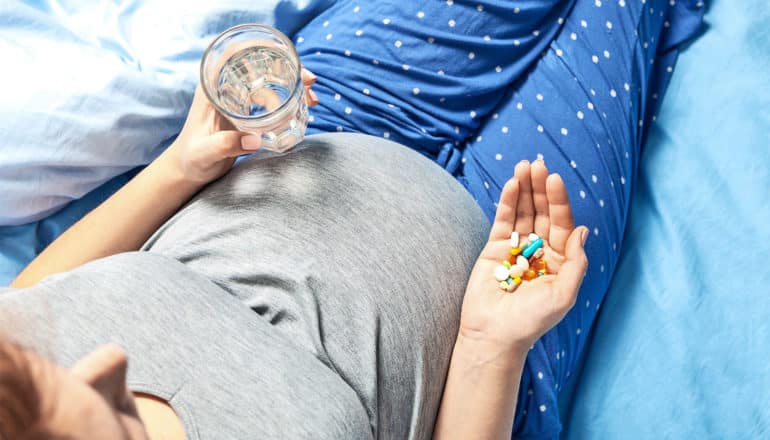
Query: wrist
(480, 393)
(171, 166)
(480, 351)
(486, 332)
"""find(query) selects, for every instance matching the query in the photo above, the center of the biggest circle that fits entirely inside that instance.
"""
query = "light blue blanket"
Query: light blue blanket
(91, 90)
(682, 346)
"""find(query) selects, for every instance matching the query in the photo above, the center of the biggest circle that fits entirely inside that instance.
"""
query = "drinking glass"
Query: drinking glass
(252, 74)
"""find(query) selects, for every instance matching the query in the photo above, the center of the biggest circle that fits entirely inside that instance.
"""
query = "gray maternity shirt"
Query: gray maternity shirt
(313, 295)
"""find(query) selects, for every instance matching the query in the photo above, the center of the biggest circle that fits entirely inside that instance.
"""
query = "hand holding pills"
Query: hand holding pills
(529, 273)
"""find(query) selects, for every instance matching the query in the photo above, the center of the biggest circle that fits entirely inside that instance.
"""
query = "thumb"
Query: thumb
(571, 273)
(231, 143)
(104, 370)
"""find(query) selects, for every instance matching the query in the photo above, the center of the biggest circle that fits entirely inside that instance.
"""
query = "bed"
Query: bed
(680, 347)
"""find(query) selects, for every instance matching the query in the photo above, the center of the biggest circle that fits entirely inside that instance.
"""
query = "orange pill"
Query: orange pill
(529, 275)
(539, 265)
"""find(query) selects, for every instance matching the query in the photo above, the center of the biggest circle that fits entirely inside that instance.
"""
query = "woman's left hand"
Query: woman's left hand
(208, 144)
(532, 201)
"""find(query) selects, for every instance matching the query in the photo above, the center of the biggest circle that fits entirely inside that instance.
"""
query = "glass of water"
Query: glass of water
(252, 74)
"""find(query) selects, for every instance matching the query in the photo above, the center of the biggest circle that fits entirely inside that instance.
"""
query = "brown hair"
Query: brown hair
(22, 415)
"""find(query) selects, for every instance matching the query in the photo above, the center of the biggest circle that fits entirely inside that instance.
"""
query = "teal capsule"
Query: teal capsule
(509, 280)
(532, 247)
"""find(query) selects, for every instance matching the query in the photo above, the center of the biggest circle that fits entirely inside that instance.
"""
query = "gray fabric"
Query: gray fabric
(315, 294)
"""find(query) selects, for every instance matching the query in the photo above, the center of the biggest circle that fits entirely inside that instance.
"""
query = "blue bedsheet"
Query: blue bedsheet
(682, 345)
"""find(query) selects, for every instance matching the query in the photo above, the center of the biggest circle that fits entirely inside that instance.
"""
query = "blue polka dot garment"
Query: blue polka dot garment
(478, 86)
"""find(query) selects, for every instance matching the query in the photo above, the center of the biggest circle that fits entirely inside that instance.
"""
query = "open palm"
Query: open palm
(531, 201)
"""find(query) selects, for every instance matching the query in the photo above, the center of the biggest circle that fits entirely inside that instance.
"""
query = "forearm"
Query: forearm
(480, 393)
(122, 223)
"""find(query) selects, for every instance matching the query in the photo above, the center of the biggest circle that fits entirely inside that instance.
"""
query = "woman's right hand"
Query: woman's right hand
(497, 328)
(208, 144)
(532, 201)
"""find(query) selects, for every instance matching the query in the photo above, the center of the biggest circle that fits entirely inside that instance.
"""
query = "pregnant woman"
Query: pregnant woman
(317, 294)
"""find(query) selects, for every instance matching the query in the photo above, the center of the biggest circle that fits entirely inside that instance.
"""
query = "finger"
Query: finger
(199, 107)
(221, 123)
(226, 144)
(525, 209)
(266, 98)
(571, 273)
(104, 369)
(310, 97)
(539, 199)
(505, 217)
(216, 120)
(199, 97)
(559, 213)
(308, 77)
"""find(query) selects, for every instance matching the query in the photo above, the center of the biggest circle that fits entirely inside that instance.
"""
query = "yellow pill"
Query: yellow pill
(539, 265)
(517, 280)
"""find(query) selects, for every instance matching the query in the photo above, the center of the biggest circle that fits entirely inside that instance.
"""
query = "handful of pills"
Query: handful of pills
(525, 262)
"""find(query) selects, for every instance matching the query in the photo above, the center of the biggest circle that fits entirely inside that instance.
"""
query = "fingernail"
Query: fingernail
(251, 142)
(311, 75)
(583, 236)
